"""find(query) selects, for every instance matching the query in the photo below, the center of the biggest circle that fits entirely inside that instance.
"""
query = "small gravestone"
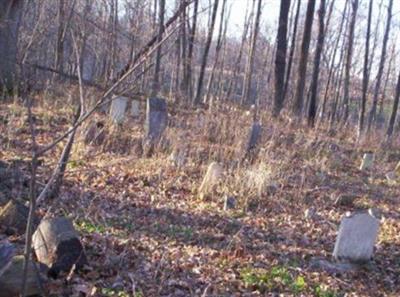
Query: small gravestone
(391, 177)
(367, 161)
(229, 202)
(135, 108)
(7, 251)
(117, 109)
(356, 237)
(211, 179)
(12, 278)
(156, 118)
(251, 139)
(56, 244)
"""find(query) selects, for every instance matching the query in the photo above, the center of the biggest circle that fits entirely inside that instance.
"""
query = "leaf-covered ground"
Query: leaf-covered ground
(147, 232)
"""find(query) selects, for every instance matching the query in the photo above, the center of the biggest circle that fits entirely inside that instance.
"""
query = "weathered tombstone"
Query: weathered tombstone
(156, 118)
(229, 202)
(57, 244)
(11, 280)
(117, 109)
(135, 108)
(13, 217)
(214, 173)
(367, 161)
(391, 177)
(356, 237)
(7, 251)
(251, 140)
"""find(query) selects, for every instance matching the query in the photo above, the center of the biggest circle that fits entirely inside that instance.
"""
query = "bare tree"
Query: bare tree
(302, 68)
(372, 111)
(312, 109)
(280, 57)
(205, 54)
(365, 72)
(349, 59)
(10, 12)
(156, 79)
(250, 64)
(393, 115)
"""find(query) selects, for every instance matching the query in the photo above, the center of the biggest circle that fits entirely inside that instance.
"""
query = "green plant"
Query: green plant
(89, 227)
(323, 291)
(116, 293)
(277, 277)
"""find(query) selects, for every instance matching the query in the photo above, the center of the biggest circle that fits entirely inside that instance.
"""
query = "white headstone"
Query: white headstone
(367, 161)
(356, 238)
(214, 173)
(135, 108)
(117, 109)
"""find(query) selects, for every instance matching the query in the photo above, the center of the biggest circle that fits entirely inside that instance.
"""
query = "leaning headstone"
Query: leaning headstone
(13, 218)
(356, 237)
(367, 161)
(12, 278)
(7, 251)
(117, 109)
(212, 177)
(56, 243)
(135, 108)
(156, 118)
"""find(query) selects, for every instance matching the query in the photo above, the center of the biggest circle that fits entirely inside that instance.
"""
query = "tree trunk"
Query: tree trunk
(280, 58)
(292, 48)
(349, 59)
(250, 65)
(393, 115)
(365, 73)
(205, 54)
(312, 110)
(372, 111)
(156, 80)
(302, 70)
(10, 12)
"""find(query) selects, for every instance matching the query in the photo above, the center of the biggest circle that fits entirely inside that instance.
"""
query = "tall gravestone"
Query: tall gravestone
(156, 118)
(135, 108)
(117, 109)
(356, 237)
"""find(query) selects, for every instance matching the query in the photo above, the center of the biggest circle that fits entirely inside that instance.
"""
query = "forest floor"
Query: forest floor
(147, 232)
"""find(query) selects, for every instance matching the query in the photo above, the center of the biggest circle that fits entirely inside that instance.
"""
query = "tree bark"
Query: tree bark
(365, 73)
(280, 58)
(372, 112)
(205, 54)
(10, 13)
(312, 110)
(393, 115)
(302, 70)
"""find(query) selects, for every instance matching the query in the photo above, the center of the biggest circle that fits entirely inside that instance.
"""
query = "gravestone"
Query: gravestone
(229, 202)
(356, 237)
(117, 109)
(156, 118)
(135, 108)
(251, 140)
(367, 161)
(214, 173)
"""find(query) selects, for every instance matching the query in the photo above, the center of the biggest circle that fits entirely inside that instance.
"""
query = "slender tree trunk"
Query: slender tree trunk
(217, 54)
(205, 55)
(292, 49)
(156, 80)
(388, 72)
(332, 64)
(365, 72)
(314, 84)
(233, 79)
(59, 59)
(372, 111)
(302, 70)
(393, 115)
(349, 59)
(250, 65)
(280, 58)
(10, 13)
